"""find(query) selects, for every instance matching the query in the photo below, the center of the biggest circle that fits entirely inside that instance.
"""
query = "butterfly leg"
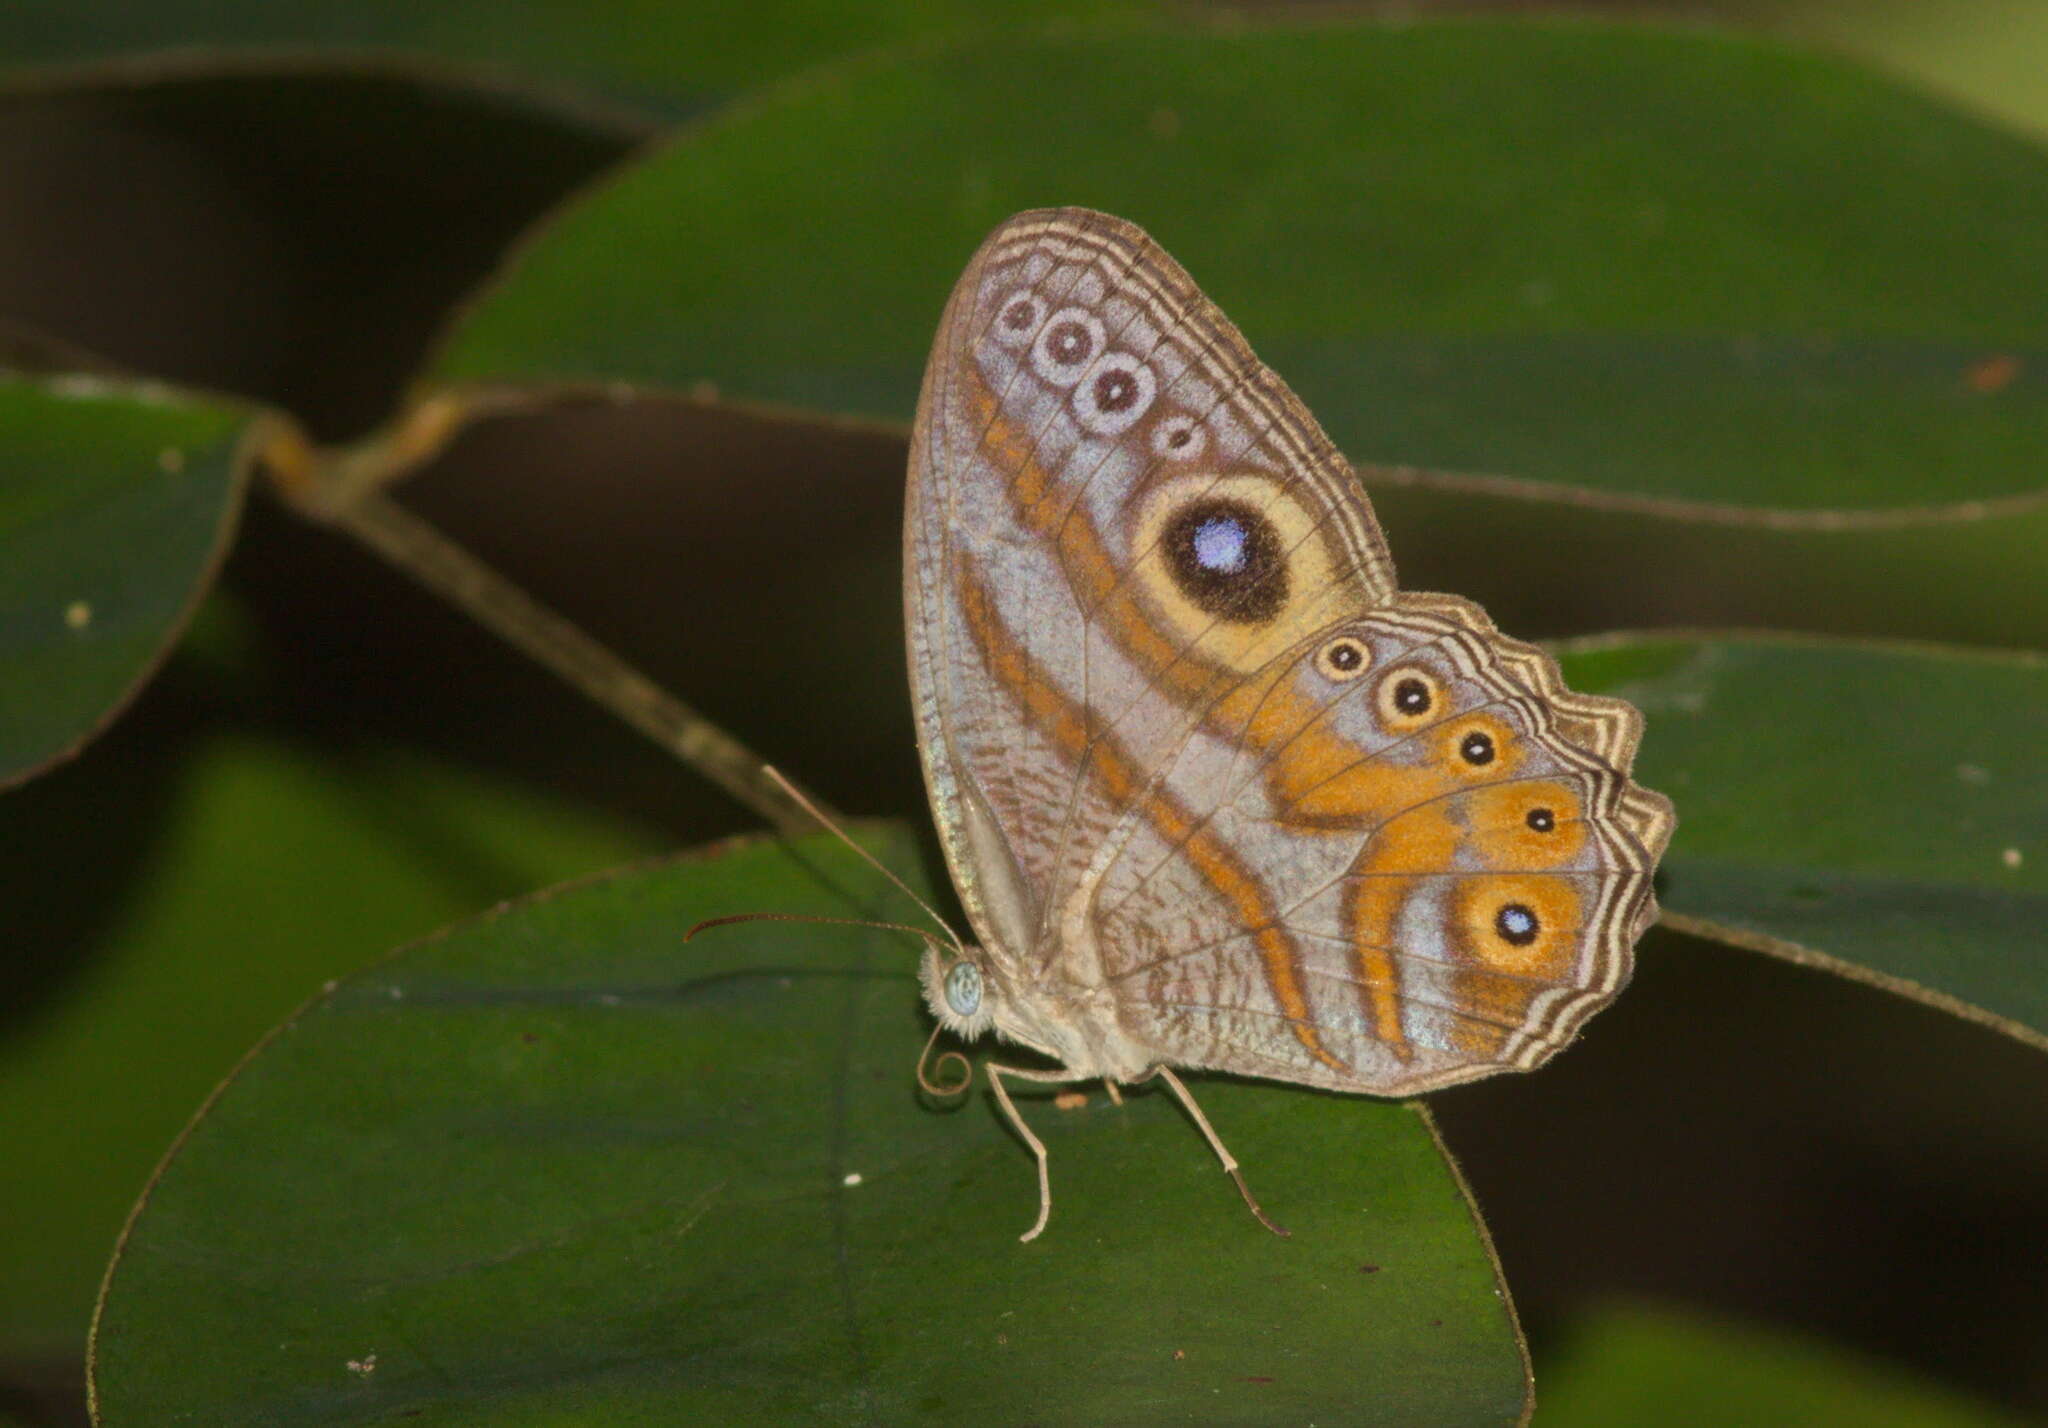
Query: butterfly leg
(1022, 1073)
(1173, 1082)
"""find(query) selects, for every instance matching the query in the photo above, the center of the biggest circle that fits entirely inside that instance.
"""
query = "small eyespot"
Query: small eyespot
(1343, 658)
(1018, 318)
(1516, 924)
(1542, 820)
(1476, 749)
(1408, 697)
(1115, 393)
(963, 988)
(1066, 345)
(1179, 438)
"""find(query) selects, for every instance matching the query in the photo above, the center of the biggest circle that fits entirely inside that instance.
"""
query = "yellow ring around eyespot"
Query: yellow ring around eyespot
(1327, 667)
(1314, 596)
(1507, 747)
(1392, 717)
(1554, 902)
(1498, 817)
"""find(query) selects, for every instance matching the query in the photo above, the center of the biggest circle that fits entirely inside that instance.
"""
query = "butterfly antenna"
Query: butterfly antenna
(733, 917)
(811, 808)
(939, 1088)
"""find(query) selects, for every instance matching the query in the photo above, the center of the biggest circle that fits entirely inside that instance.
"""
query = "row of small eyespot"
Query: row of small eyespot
(1118, 388)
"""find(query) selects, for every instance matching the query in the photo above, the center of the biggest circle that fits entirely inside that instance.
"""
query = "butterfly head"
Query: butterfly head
(959, 991)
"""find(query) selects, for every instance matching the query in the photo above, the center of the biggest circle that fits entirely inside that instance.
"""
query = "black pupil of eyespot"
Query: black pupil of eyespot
(1018, 316)
(1115, 390)
(1179, 438)
(1411, 696)
(1070, 342)
(1477, 749)
(1516, 924)
(1345, 656)
(1226, 557)
(1542, 820)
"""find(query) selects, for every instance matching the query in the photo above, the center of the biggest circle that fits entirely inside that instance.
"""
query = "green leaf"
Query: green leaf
(1625, 1365)
(116, 506)
(187, 910)
(668, 56)
(1723, 273)
(558, 1167)
(1881, 812)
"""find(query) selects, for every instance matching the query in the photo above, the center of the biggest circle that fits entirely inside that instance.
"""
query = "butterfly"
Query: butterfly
(1217, 794)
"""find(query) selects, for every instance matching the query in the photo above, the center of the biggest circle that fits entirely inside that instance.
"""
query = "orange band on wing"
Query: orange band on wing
(1315, 777)
(1054, 715)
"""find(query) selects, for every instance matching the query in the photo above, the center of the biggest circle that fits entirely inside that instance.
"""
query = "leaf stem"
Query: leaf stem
(307, 480)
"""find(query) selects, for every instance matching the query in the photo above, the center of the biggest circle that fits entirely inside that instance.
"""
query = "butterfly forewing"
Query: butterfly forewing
(1188, 747)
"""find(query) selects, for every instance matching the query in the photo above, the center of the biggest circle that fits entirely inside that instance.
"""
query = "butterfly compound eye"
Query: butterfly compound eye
(963, 989)
(1343, 658)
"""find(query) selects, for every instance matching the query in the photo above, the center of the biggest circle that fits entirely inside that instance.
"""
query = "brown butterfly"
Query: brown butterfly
(1214, 791)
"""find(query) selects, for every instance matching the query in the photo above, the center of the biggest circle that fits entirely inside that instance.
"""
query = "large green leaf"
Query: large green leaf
(558, 1167)
(116, 505)
(1721, 273)
(668, 56)
(1882, 812)
(1624, 1365)
(185, 910)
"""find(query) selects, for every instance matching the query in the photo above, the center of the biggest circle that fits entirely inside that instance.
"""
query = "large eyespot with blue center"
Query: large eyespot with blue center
(1226, 559)
(1343, 659)
(1115, 393)
(1235, 568)
(963, 989)
(1018, 317)
(1070, 341)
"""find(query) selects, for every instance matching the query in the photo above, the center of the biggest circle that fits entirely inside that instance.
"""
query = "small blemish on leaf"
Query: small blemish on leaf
(1257, 1378)
(2011, 857)
(170, 460)
(852, 1178)
(1179, 1354)
(1368, 1269)
(1971, 773)
(364, 1366)
(1992, 374)
(1070, 1100)
(78, 614)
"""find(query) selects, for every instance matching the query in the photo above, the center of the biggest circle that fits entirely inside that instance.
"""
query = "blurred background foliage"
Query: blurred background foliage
(1760, 1193)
